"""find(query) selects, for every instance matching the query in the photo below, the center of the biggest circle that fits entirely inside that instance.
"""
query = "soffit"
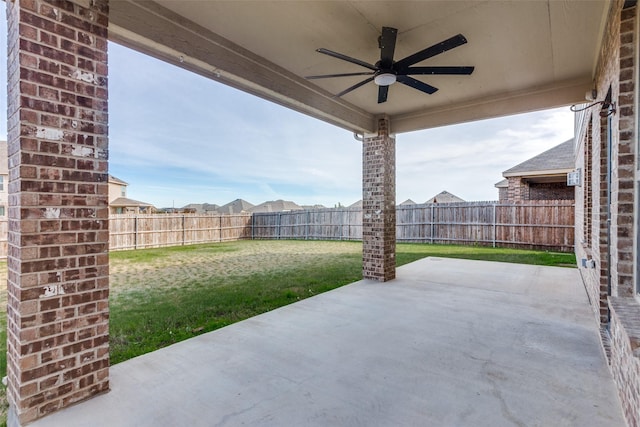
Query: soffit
(528, 55)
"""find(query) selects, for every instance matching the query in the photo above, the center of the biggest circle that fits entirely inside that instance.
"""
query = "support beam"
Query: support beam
(379, 204)
(58, 262)
(154, 30)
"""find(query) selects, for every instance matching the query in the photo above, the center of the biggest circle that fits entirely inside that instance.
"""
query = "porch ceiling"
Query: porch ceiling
(528, 55)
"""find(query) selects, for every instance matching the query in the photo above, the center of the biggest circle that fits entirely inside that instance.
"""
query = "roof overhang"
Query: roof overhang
(528, 55)
(540, 173)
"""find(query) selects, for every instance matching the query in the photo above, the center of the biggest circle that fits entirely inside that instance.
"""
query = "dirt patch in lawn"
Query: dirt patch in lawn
(233, 260)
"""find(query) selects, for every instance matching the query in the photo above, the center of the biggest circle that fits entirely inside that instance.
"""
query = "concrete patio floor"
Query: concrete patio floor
(448, 343)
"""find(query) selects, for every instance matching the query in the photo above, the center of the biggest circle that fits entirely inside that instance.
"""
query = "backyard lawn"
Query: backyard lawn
(162, 296)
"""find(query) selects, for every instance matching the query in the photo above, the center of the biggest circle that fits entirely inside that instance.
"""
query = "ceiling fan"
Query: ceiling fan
(386, 71)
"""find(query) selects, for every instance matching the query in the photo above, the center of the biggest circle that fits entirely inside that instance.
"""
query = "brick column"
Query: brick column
(379, 205)
(623, 163)
(58, 262)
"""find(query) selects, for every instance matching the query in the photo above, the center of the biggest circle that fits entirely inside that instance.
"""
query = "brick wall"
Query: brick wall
(625, 355)
(58, 217)
(607, 151)
(623, 163)
(551, 191)
(520, 189)
(593, 244)
(379, 205)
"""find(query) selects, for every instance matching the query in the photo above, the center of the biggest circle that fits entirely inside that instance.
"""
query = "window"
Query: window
(1, 183)
(2, 212)
(123, 191)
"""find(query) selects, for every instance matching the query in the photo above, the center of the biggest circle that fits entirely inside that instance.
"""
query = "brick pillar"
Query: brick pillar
(379, 205)
(623, 173)
(58, 262)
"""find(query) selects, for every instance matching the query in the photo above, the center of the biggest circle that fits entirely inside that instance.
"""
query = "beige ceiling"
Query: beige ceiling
(528, 55)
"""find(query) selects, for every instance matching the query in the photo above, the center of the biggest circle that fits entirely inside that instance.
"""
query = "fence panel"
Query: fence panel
(543, 224)
(154, 231)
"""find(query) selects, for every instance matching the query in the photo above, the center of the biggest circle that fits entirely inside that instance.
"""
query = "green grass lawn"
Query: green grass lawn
(162, 296)
(220, 284)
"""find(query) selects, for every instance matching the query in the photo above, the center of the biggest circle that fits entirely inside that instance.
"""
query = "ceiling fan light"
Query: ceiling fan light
(385, 79)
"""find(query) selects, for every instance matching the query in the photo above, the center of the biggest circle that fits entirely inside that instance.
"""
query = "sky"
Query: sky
(178, 138)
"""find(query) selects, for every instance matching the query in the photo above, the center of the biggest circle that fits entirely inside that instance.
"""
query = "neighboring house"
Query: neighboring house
(503, 187)
(200, 208)
(236, 207)
(118, 201)
(357, 204)
(543, 177)
(275, 206)
(445, 197)
(407, 202)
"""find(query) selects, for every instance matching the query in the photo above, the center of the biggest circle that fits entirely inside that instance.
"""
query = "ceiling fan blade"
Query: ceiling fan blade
(434, 50)
(354, 87)
(383, 91)
(437, 70)
(417, 84)
(327, 76)
(387, 43)
(346, 58)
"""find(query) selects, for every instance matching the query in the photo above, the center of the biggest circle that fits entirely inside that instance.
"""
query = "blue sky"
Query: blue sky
(178, 138)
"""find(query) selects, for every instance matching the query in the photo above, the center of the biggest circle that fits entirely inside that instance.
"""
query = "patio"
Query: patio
(448, 343)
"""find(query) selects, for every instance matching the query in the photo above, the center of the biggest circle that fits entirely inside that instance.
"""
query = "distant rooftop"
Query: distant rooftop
(235, 207)
(115, 180)
(276, 206)
(445, 197)
(502, 184)
(125, 202)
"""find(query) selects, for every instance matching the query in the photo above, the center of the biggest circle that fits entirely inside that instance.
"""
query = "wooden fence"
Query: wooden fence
(541, 224)
(316, 224)
(154, 231)
(546, 225)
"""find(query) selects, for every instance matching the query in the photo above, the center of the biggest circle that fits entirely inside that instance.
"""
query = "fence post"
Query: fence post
(278, 225)
(184, 231)
(135, 232)
(220, 227)
(494, 225)
(306, 228)
(432, 223)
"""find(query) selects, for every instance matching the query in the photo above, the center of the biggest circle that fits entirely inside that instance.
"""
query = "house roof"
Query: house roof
(559, 159)
(407, 202)
(126, 202)
(114, 180)
(235, 207)
(502, 184)
(202, 207)
(445, 197)
(275, 206)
